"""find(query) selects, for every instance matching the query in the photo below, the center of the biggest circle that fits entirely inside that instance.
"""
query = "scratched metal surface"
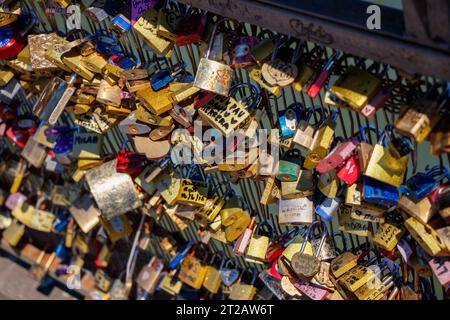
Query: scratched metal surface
(348, 123)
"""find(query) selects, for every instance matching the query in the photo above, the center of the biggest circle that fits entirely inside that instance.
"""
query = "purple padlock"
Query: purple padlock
(14, 200)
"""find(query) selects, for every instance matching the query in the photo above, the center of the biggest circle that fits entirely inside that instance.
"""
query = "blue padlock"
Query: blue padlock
(119, 25)
(162, 78)
(377, 192)
(290, 118)
(328, 208)
(61, 221)
(421, 184)
(180, 256)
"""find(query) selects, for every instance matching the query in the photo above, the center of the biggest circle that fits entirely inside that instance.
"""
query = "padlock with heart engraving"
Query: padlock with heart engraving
(211, 75)
(306, 265)
(228, 271)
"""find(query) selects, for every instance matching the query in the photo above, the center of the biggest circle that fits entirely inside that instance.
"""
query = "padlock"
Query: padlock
(95, 62)
(377, 192)
(191, 29)
(418, 120)
(38, 45)
(242, 56)
(350, 172)
(425, 236)
(256, 74)
(305, 185)
(328, 208)
(149, 275)
(12, 42)
(212, 279)
(343, 263)
(212, 208)
(356, 87)
(193, 271)
(244, 289)
(146, 26)
(277, 72)
(423, 183)
(259, 243)
(296, 211)
(289, 166)
(280, 243)
(441, 269)
(328, 184)
(211, 75)
(387, 236)
(322, 76)
(338, 156)
(323, 138)
(109, 95)
(13, 233)
(156, 102)
(306, 265)
(233, 209)
(235, 230)
(53, 100)
(271, 192)
(349, 225)
(228, 273)
(165, 76)
(423, 210)
(240, 247)
(384, 166)
(290, 118)
(377, 292)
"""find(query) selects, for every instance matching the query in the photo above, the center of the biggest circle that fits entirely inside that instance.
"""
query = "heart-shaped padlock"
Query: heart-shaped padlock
(229, 275)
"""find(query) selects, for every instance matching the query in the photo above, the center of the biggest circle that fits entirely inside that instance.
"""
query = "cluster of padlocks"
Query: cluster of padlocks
(149, 158)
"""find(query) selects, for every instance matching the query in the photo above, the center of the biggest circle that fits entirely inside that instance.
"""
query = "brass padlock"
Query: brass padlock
(146, 26)
(320, 145)
(356, 87)
(296, 211)
(259, 243)
(244, 289)
(156, 102)
(211, 75)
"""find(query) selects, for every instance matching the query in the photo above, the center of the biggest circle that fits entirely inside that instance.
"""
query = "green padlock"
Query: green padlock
(290, 165)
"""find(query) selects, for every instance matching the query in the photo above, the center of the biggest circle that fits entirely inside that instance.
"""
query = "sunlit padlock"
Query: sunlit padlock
(296, 211)
(384, 166)
(327, 251)
(289, 166)
(211, 75)
(307, 265)
(323, 138)
(259, 243)
(240, 247)
(328, 208)
(280, 243)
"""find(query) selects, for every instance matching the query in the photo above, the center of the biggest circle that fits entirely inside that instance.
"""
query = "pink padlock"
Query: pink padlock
(14, 200)
(337, 156)
(441, 269)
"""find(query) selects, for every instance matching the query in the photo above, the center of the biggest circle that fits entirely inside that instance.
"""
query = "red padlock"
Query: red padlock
(337, 156)
(11, 43)
(130, 162)
(350, 172)
(191, 29)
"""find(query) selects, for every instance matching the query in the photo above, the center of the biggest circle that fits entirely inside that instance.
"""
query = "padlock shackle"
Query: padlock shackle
(363, 132)
(213, 33)
(253, 88)
(438, 172)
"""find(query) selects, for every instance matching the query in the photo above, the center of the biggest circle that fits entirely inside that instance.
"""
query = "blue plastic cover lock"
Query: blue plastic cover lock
(180, 256)
(120, 24)
(421, 184)
(289, 119)
(377, 192)
(328, 208)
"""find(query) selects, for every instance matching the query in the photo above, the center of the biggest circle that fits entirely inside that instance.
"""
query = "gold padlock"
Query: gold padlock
(259, 243)
(157, 102)
(320, 145)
